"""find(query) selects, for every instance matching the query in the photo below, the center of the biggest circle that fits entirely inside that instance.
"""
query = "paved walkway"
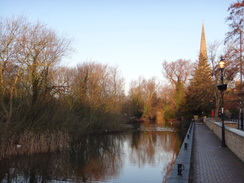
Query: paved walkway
(213, 163)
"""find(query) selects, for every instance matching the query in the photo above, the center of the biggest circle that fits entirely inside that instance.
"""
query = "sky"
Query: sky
(134, 35)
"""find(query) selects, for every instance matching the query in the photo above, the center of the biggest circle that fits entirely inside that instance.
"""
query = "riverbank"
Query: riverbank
(15, 141)
(181, 170)
(30, 143)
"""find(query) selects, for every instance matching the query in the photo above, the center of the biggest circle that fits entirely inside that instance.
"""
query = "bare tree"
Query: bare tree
(45, 49)
(177, 72)
(28, 52)
(235, 37)
(236, 20)
(12, 63)
(144, 96)
(97, 90)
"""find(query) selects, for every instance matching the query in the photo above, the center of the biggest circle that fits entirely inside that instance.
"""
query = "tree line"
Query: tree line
(36, 89)
(42, 101)
(37, 92)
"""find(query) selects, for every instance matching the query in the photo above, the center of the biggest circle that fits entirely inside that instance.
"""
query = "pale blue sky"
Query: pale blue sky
(135, 35)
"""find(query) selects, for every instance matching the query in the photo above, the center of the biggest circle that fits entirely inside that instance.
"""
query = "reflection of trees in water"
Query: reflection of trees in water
(27, 169)
(154, 147)
(97, 159)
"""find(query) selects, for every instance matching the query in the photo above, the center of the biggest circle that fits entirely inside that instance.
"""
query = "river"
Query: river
(142, 155)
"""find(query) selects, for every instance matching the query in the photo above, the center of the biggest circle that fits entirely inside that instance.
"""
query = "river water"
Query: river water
(141, 155)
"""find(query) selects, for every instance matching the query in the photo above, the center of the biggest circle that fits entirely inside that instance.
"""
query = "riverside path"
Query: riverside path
(213, 163)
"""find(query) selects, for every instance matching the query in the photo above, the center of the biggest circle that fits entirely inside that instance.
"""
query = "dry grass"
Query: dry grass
(29, 143)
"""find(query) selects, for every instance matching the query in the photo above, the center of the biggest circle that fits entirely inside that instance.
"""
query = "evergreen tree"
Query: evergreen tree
(199, 96)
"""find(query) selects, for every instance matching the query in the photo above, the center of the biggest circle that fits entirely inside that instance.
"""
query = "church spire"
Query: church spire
(203, 47)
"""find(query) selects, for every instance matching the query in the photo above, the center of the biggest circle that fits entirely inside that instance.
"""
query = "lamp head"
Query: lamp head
(221, 63)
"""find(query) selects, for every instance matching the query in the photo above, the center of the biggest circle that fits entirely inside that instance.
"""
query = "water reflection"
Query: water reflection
(139, 156)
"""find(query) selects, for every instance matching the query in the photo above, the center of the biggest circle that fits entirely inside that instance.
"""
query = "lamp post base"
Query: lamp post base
(223, 135)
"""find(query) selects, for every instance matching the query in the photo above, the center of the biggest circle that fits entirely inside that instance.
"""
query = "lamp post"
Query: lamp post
(241, 111)
(222, 87)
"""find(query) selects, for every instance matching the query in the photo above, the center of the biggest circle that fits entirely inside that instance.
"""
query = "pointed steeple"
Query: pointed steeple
(203, 47)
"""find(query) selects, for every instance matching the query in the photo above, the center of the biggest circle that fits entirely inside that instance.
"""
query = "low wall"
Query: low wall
(231, 124)
(184, 158)
(210, 123)
(234, 138)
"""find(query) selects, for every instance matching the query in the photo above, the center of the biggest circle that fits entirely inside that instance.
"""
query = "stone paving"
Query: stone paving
(213, 163)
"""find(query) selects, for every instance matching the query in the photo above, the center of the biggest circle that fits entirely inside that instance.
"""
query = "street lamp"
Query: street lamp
(222, 87)
(241, 111)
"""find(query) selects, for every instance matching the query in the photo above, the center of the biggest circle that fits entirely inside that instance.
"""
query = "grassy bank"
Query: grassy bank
(21, 139)
(29, 143)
